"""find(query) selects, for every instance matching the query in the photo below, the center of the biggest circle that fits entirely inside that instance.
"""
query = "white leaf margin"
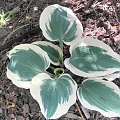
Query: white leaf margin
(45, 43)
(14, 77)
(16, 80)
(109, 84)
(46, 16)
(113, 76)
(35, 92)
(91, 42)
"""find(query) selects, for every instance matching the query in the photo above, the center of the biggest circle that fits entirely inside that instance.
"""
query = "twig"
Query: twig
(23, 12)
(14, 32)
(79, 111)
(96, 118)
(30, 32)
(89, 3)
(85, 111)
(115, 10)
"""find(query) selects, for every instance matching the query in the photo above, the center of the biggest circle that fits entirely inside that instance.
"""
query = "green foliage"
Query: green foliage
(5, 17)
(39, 67)
(105, 98)
(59, 24)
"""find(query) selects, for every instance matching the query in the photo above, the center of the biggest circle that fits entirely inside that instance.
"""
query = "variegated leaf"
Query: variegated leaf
(91, 58)
(55, 96)
(54, 52)
(100, 95)
(60, 23)
(26, 61)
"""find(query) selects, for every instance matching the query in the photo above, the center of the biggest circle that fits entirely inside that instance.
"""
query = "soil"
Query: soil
(100, 20)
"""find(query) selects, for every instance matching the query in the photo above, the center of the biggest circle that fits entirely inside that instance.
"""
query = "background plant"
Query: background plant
(39, 67)
(6, 16)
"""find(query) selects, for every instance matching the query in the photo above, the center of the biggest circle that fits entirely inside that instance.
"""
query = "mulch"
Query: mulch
(100, 20)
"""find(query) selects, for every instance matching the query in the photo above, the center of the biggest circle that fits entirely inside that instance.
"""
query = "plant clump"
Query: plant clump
(31, 64)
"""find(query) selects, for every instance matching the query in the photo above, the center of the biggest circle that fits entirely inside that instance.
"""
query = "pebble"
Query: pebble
(35, 8)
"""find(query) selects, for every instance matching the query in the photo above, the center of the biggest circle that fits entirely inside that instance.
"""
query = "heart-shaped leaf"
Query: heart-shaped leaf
(54, 52)
(92, 58)
(26, 61)
(54, 96)
(60, 23)
(100, 95)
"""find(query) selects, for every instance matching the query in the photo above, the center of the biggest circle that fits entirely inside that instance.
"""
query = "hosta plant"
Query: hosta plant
(40, 67)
